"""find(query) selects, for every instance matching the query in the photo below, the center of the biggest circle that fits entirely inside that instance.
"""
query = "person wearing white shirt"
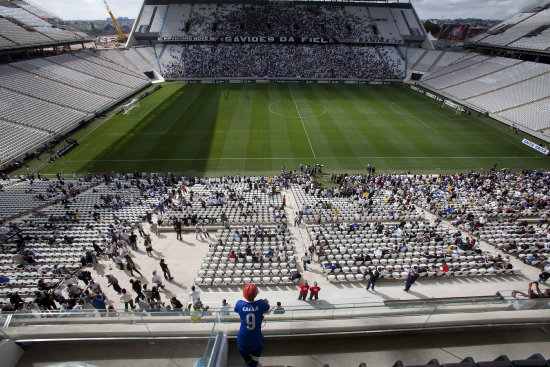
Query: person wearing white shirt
(194, 295)
(225, 309)
(157, 279)
(127, 299)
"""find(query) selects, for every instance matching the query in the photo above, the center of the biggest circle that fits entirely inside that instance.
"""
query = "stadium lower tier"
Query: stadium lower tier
(281, 61)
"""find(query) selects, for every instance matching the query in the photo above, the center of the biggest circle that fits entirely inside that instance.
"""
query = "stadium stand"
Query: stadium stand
(12, 31)
(514, 95)
(385, 24)
(524, 240)
(23, 16)
(331, 206)
(41, 88)
(177, 17)
(262, 256)
(441, 197)
(527, 30)
(501, 361)
(148, 53)
(413, 55)
(75, 214)
(508, 76)
(346, 35)
(139, 59)
(18, 138)
(517, 34)
(239, 203)
(425, 63)
(252, 61)
(449, 57)
(22, 197)
(38, 114)
(533, 115)
(470, 72)
(59, 92)
(25, 26)
(514, 90)
(351, 23)
(347, 253)
(347, 245)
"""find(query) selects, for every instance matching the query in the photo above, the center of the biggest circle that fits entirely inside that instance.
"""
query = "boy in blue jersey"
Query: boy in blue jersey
(250, 338)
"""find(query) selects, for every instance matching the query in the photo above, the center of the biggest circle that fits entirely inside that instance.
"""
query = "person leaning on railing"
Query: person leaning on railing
(197, 310)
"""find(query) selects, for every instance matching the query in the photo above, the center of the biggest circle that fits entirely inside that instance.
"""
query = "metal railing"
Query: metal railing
(392, 309)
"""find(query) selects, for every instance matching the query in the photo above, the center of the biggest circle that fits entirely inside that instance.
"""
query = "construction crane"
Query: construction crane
(121, 36)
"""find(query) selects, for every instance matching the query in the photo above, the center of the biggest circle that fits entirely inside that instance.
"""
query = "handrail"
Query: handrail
(371, 309)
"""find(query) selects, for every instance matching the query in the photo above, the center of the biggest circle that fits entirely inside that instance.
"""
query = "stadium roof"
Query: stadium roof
(24, 26)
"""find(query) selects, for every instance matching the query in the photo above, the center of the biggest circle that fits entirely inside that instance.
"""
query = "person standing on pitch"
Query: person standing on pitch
(250, 339)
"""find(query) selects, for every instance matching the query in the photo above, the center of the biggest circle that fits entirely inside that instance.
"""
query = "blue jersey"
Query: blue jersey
(252, 314)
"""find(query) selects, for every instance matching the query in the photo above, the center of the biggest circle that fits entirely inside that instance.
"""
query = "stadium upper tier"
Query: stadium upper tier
(528, 30)
(41, 98)
(334, 21)
(26, 26)
(258, 39)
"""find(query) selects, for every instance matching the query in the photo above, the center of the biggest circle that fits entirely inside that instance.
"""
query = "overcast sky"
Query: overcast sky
(487, 9)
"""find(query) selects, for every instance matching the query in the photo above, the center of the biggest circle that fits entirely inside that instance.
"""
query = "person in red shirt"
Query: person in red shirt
(232, 255)
(304, 288)
(314, 291)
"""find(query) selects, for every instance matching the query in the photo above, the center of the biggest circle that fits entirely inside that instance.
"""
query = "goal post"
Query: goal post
(130, 105)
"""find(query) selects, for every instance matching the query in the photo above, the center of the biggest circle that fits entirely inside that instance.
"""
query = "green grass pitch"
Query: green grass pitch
(216, 129)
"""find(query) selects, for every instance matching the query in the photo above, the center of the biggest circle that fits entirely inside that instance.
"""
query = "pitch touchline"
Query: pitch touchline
(300, 115)
(279, 158)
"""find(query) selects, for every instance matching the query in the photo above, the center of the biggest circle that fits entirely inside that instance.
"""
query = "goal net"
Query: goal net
(130, 106)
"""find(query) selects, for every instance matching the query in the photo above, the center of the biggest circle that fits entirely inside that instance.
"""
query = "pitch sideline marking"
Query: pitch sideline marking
(279, 158)
(301, 119)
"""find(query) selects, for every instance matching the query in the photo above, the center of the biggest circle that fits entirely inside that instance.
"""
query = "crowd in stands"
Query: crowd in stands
(45, 255)
(227, 20)
(281, 61)
(342, 54)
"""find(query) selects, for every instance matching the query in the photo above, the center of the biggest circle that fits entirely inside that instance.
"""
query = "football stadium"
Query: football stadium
(274, 183)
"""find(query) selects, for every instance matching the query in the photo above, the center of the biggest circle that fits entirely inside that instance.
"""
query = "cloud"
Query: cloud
(488, 9)
(90, 9)
(426, 9)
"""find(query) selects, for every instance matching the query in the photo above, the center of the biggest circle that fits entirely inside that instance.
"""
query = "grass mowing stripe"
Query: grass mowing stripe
(301, 119)
(472, 121)
(245, 128)
(323, 131)
(343, 124)
(378, 119)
